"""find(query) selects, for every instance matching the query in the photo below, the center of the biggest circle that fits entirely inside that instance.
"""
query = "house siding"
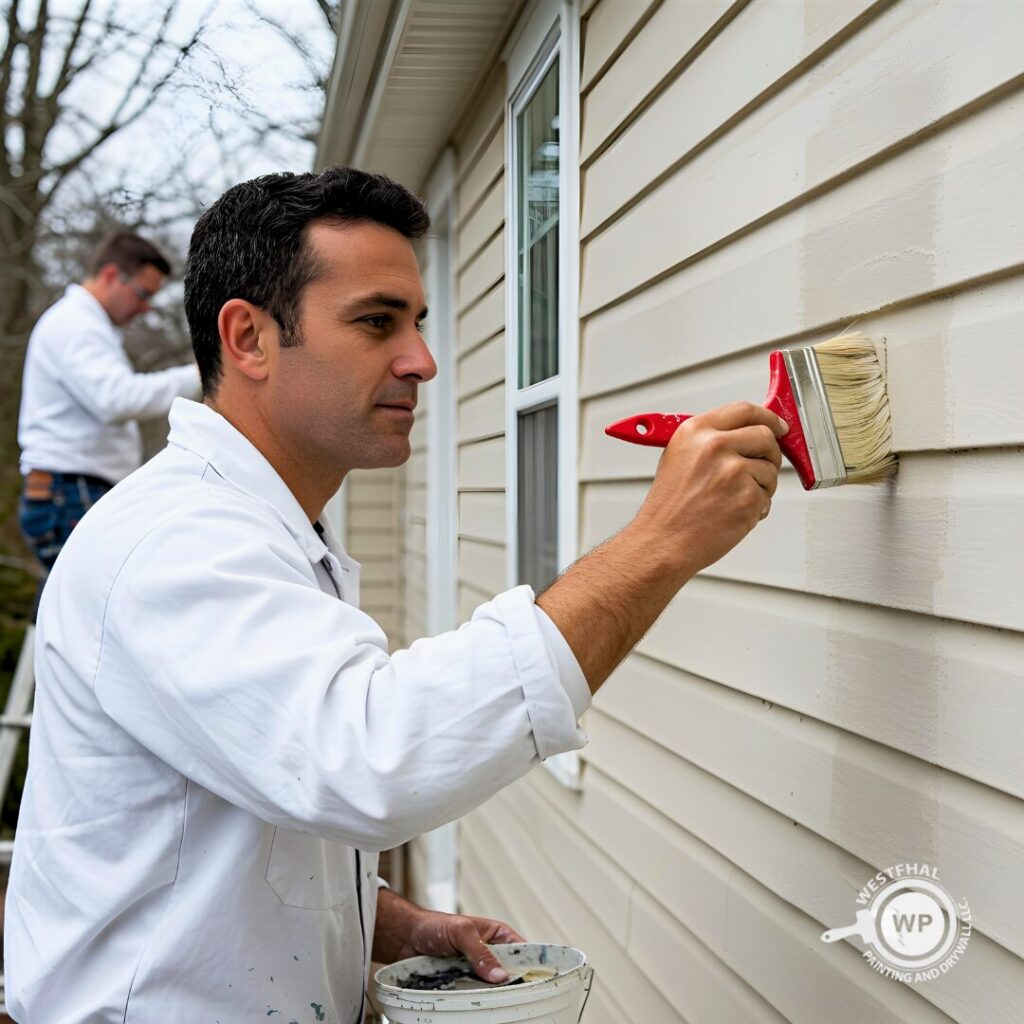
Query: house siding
(479, 255)
(413, 504)
(373, 502)
(844, 691)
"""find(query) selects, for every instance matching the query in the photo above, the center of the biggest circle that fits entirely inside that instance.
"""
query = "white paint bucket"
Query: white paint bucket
(558, 996)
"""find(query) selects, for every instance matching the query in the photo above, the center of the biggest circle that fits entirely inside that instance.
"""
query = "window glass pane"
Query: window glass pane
(537, 149)
(538, 497)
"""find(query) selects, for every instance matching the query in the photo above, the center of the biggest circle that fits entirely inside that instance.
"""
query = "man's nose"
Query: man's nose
(416, 361)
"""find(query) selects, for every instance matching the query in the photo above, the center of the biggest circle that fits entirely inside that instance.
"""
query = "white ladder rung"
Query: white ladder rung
(16, 721)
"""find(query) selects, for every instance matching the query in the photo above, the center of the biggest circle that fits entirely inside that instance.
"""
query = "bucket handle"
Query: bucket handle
(588, 984)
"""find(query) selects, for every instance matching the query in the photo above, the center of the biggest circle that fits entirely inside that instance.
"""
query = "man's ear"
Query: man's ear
(108, 274)
(245, 336)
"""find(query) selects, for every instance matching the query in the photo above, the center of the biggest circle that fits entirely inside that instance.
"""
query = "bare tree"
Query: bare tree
(54, 64)
(45, 138)
(317, 71)
(75, 77)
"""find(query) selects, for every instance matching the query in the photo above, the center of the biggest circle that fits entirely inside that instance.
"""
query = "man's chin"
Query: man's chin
(395, 453)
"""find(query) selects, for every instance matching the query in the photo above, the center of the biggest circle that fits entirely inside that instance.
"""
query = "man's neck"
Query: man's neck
(93, 288)
(311, 485)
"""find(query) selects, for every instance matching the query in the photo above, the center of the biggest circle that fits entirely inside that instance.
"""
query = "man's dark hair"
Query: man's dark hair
(252, 244)
(128, 252)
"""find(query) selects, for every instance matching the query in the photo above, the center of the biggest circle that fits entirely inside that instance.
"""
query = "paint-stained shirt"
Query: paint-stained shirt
(222, 743)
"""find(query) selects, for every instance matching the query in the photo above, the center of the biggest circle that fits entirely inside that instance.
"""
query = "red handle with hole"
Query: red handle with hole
(656, 428)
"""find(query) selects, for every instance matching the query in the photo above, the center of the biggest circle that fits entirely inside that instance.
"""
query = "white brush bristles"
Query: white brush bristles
(855, 385)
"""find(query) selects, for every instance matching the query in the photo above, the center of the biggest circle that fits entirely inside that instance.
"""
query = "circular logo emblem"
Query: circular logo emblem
(916, 923)
(913, 928)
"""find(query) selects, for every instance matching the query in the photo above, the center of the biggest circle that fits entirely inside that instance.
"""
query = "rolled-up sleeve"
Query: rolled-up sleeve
(553, 715)
(574, 682)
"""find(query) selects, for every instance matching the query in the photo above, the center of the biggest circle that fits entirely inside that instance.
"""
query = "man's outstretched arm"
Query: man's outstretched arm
(714, 483)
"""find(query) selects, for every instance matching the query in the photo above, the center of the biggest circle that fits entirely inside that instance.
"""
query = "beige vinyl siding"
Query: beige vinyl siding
(480, 321)
(412, 611)
(845, 690)
(412, 603)
(372, 538)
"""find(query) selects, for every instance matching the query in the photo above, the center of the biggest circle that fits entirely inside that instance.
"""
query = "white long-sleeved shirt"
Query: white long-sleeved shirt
(216, 735)
(80, 396)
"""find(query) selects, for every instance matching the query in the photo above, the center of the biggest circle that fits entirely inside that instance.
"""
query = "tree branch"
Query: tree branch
(10, 45)
(155, 43)
(6, 64)
(67, 69)
(319, 70)
(33, 154)
(117, 122)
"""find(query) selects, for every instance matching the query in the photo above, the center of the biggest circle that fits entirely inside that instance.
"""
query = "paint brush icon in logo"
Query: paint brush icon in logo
(864, 927)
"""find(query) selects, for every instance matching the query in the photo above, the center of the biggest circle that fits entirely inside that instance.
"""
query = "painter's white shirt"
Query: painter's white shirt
(80, 396)
(216, 735)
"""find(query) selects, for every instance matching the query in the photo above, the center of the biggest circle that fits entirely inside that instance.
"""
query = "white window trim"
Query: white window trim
(441, 845)
(549, 29)
(442, 603)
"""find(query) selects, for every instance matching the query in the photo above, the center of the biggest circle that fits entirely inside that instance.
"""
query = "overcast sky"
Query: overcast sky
(243, 62)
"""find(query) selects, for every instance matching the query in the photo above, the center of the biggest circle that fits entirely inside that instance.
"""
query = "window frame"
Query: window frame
(442, 472)
(549, 30)
(441, 845)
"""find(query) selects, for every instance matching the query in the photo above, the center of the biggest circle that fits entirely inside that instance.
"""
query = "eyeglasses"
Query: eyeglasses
(143, 294)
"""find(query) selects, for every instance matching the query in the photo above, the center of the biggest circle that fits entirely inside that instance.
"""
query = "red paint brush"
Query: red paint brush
(832, 396)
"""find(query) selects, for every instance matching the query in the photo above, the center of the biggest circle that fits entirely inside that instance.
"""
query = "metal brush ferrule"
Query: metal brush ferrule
(815, 417)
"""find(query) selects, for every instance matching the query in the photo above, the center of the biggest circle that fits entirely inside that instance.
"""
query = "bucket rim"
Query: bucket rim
(398, 990)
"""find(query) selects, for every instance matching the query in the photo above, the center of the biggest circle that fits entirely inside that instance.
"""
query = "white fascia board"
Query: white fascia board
(382, 73)
(358, 73)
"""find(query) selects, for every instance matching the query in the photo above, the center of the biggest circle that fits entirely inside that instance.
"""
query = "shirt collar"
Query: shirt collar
(199, 429)
(84, 298)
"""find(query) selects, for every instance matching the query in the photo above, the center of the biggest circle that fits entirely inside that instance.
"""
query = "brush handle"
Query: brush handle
(655, 429)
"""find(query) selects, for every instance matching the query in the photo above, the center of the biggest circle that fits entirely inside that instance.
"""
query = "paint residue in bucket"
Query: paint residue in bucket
(461, 977)
(546, 982)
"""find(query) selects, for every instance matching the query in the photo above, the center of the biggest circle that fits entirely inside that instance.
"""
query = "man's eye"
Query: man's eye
(380, 322)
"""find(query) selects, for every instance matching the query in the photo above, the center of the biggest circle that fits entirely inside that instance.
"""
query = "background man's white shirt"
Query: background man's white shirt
(81, 397)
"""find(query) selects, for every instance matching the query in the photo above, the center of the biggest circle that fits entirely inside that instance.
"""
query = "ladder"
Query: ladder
(14, 723)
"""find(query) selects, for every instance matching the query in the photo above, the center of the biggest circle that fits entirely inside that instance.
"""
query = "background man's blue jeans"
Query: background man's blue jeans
(47, 522)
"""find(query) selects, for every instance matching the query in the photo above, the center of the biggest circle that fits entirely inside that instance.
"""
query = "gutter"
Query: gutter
(360, 69)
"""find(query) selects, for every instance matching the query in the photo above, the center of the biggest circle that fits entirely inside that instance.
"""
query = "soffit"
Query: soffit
(428, 56)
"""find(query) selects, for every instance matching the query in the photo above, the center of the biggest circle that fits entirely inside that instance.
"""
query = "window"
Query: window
(537, 188)
(537, 497)
(541, 303)
(537, 200)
